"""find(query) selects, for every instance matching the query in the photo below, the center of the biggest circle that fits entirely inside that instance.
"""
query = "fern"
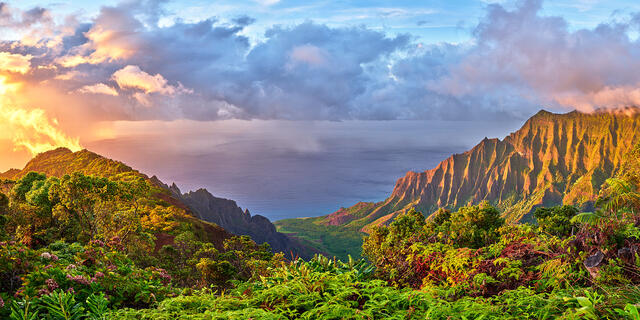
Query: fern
(23, 310)
(589, 218)
(97, 307)
(62, 305)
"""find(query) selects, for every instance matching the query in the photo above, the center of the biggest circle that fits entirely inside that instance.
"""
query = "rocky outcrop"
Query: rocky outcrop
(552, 159)
(227, 214)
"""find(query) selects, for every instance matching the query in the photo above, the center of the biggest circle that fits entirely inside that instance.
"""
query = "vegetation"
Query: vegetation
(87, 247)
(333, 240)
(81, 245)
(323, 289)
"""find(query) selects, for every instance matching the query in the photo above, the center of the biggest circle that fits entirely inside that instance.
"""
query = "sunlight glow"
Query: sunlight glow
(31, 129)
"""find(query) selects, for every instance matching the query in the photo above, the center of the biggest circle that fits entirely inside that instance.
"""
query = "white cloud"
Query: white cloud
(267, 2)
(99, 88)
(132, 77)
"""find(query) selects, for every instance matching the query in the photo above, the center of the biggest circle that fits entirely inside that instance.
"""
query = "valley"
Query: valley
(319, 160)
(553, 159)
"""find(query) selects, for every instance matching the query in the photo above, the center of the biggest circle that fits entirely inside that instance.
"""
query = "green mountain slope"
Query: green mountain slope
(217, 218)
(552, 159)
(62, 161)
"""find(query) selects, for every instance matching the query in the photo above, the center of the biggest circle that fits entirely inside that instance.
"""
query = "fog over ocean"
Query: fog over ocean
(284, 169)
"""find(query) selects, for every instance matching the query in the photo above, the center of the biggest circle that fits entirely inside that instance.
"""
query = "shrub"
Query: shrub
(556, 220)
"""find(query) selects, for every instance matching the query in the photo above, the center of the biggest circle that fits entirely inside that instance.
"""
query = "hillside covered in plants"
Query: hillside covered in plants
(329, 160)
(85, 246)
(553, 159)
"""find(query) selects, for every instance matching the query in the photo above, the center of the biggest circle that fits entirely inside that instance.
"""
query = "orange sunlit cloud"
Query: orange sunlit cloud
(30, 130)
(107, 43)
(14, 62)
(613, 97)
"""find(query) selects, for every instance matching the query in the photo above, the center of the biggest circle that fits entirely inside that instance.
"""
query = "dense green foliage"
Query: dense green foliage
(79, 243)
(333, 240)
(323, 289)
(86, 247)
(557, 220)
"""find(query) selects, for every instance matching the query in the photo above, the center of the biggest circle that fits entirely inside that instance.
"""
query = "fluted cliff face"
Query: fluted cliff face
(552, 159)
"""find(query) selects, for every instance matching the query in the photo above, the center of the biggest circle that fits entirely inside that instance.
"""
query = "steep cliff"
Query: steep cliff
(227, 214)
(552, 159)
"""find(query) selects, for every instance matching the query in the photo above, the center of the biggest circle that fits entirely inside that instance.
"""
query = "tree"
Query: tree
(4, 209)
(78, 197)
(30, 208)
(556, 220)
(441, 216)
(24, 185)
(408, 224)
(475, 226)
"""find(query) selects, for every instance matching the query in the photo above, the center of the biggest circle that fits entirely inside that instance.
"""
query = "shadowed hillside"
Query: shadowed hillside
(227, 214)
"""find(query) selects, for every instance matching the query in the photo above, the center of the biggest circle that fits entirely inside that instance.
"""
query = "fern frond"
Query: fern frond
(589, 218)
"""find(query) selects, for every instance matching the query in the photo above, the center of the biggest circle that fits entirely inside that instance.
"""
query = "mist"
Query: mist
(286, 169)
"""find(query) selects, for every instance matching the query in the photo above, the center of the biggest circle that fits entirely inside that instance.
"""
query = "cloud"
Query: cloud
(538, 60)
(267, 2)
(308, 54)
(69, 75)
(608, 97)
(15, 62)
(142, 98)
(17, 19)
(518, 60)
(113, 36)
(34, 131)
(98, 88)
(31, 130)
(131, 77)
(312, 71)
(243, 20)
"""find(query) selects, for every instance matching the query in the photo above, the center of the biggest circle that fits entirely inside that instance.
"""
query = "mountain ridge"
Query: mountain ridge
(552, 159)
(223, 218)
(227, 214)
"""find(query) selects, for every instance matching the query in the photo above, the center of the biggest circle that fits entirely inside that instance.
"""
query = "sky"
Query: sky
(295, 108)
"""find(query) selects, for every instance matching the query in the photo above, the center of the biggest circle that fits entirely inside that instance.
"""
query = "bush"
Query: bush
(556, 220)
(475, 226)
